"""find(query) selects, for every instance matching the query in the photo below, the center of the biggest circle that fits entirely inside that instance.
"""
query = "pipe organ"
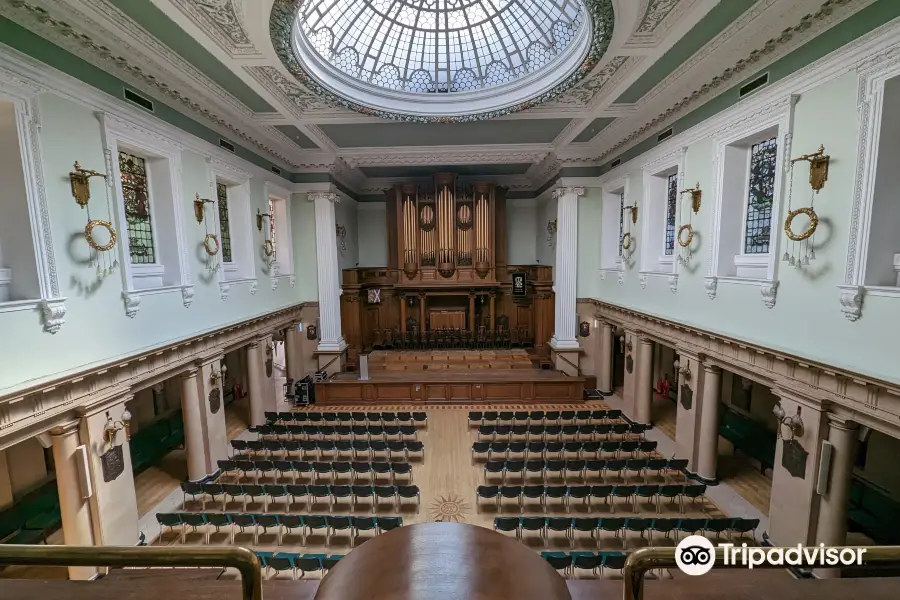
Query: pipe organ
(446, 230)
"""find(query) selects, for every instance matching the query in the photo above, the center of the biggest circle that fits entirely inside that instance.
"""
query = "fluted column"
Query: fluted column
(832, 523)
(293, 352)
(74, 509)
(256, 379)
(565, 271)
(643, 401)
(604, 369)
(328, 274)
(192, 414)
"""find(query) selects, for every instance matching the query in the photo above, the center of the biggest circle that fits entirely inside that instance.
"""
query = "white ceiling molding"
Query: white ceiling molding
(445, 155)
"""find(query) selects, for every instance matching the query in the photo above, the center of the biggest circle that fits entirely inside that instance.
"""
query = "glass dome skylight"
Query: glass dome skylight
(428, 60)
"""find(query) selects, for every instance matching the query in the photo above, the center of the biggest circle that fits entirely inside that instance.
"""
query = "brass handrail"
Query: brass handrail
(642, 560)
(242, 559)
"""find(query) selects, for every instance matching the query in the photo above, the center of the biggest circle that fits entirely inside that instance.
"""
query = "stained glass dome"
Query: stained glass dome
(442, 59)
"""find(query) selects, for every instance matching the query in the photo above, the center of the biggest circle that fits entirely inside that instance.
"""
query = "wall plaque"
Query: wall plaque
(687, 397)
(112, 463)
(584, 329)
(629, 364)
(519, 284)
(215, 400)
(373, 295)
(312, 332)
(793, 458)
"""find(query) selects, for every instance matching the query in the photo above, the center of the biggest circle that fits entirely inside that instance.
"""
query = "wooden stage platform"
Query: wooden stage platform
(452, 377)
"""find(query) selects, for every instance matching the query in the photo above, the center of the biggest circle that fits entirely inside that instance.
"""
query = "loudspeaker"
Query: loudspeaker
(864, 433)
(824, 467)
(84, 471)
(44, 440)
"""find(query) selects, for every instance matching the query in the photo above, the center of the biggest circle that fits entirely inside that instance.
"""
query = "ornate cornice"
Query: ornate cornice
(293, 97)
(221, 21)
(657, 10)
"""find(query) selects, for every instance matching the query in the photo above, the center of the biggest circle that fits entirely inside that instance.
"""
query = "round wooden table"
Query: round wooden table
(442, 561)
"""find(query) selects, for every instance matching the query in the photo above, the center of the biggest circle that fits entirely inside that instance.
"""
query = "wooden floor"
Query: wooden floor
(447, 479)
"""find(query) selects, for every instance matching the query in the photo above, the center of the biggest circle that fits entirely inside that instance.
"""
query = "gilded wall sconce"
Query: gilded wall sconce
(633, 209)
(341, 233)
(801, 250)
(112, 428)
(684, 371)
(259, 219)
(216, 375)
(794, 423)
(685, 234)
(199, 204)
(696, 197)
(551, 232)
(81, 186)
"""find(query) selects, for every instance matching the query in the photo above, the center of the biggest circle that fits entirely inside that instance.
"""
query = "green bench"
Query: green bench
(874, 513)
(33, 517)
(750, 437)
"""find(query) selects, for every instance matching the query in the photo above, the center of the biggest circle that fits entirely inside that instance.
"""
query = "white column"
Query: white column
(293, 353)
(565, 271)
(604, 366)
(73, 507)
(643, 399)
(256, 383)
(832, 521)
(192, 415)
(328, 274)
(708, 437)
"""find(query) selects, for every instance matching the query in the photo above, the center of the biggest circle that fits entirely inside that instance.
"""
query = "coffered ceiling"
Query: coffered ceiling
(214, 62)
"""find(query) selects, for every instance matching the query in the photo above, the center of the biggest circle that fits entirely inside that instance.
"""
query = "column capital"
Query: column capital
(711, 368)
(836, 421)
(565, 191)
(65, 429)
(327, 196)
(191, 372)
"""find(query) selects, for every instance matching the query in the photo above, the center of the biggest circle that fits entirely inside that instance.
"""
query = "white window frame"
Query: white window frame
(242, 268)
(24, 97)
(611, 260)
(872, 79)
(778, 117)
(283, 268)
(652, 211)
(118, 133)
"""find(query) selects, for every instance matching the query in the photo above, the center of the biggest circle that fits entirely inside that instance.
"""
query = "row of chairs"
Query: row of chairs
(590, 431)
(306, 524)
(570, 527)
(292, 492)
(353, 418)
(527, 450)
(566, 563)
(544, 417)
(582, 468)
(291, 561)
(316, 470)
(587, 493)
(318, 448)
(308, 432)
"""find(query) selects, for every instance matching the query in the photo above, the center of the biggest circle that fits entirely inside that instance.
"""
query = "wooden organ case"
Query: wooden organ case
(447, 272)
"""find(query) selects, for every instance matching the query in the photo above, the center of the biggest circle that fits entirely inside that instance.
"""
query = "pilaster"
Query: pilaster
(328, 273)
(565, 271)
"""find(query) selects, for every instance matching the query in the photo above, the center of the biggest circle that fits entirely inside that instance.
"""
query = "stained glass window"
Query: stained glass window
(224, 230)
(621, 220)
(671, 207)
(137, 208)
(440, 46)
(763, 157)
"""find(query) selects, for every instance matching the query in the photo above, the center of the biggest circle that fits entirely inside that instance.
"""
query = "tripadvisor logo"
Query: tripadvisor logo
(696, 555)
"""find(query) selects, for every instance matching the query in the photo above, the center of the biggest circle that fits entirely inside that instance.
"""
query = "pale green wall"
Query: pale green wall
(97, 329)
(589, 213)
(521, 232)
(303, 228)
(806, 320)
(345, 213)
(372, 234)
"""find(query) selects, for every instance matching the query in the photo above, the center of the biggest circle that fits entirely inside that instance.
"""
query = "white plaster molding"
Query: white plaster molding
(711, 285)
(642, 279)
(293, 280)
(872, 75)
(329, 196)
(274, 283)
(445, 155)
(132, 303)
(224, 289)
(254, 286)
(54, 311)
(621, 278)
(673, 282)
(768, 290)
(851, 297)
(187, 295)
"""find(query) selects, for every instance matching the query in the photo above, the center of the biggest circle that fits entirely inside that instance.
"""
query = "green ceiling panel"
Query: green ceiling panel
(708, 28)
(861, 23)
(596, 126)
(466, 170)
(166, 31)
(296, 136)
(389, 134)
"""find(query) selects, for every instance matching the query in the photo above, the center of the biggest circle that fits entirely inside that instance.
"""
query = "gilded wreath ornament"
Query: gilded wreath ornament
(685, 243)
(813, 224)
(89, 235)
(268, 248)
(212, 251)
(627, 241)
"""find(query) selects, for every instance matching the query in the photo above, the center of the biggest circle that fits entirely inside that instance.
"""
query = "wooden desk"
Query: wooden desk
(447, 319)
